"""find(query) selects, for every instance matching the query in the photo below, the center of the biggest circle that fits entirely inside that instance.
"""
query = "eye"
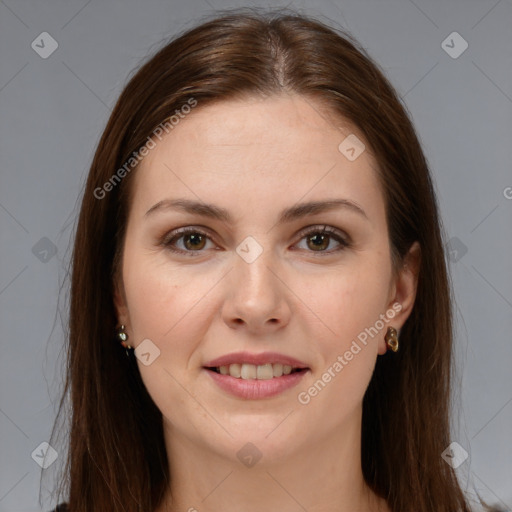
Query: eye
(194, 240)
(319, 239)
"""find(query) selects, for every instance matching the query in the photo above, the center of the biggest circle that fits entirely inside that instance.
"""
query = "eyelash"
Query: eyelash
(326, 230)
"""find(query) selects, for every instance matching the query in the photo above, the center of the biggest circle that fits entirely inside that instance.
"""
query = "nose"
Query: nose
(257, 298)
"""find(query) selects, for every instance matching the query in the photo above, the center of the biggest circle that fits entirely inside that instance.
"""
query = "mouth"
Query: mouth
(250, 376)
(247, 371)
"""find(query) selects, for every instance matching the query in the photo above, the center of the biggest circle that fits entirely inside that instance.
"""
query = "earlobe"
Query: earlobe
(404, 287)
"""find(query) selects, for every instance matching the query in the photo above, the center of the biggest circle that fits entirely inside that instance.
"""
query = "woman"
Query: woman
(260, 310)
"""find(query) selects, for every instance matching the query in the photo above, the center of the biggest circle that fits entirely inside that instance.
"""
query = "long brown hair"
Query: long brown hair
(117, 459)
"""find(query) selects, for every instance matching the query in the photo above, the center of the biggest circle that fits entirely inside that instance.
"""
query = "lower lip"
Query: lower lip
(254, 389)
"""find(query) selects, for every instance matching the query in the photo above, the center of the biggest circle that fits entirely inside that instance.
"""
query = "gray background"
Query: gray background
(53, 110)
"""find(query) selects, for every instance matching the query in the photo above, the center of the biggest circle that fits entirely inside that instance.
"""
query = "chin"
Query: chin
(263, 436)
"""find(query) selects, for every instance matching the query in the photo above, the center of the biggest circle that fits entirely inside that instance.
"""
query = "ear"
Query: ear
(403, 291)
(120, 305)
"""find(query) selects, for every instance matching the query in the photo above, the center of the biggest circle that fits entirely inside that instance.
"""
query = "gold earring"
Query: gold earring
(392, 339)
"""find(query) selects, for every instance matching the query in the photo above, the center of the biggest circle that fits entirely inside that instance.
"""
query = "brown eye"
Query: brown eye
(191, 241)
(186, 241)
(194, 241)
(320, 239)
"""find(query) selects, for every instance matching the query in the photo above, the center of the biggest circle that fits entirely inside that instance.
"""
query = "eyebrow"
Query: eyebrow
(295, 212)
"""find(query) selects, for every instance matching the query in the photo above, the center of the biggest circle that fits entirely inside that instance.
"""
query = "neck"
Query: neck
(323, 476)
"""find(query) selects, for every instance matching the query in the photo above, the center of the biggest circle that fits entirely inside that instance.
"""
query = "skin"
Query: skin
(294, 299)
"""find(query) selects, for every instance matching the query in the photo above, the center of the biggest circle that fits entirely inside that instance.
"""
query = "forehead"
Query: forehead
(256, 152)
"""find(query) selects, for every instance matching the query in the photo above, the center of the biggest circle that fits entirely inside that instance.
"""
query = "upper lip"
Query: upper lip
(256, 359)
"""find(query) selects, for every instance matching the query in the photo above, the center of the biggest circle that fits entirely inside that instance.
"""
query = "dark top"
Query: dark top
(63, 507)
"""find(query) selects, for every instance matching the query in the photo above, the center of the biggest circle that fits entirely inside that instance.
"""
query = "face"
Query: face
(260, 282)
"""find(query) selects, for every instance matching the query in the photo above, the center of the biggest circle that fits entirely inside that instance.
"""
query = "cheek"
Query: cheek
(167, 306)
(347, 301)
(158, 291)
(161, 300)
(349, 307)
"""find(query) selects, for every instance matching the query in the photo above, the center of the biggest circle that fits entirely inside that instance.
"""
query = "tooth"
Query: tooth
(248, 371)
(264, 372)
(234, 370)
(278, 369)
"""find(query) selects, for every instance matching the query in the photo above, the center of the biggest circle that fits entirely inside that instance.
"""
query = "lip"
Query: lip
(256, 359)
(255, 389)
